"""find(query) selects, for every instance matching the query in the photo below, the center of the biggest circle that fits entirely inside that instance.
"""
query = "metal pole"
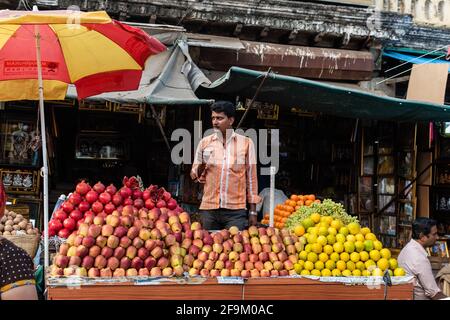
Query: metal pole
(44, 170)
(272, 195)
(254, 97)
(155, 115)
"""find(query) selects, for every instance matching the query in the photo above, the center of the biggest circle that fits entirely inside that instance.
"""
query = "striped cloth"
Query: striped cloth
(231, 177)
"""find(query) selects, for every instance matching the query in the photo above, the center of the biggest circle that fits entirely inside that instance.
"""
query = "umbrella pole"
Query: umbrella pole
(44, 170)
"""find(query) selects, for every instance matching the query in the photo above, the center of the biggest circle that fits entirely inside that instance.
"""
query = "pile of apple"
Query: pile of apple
(162, 242)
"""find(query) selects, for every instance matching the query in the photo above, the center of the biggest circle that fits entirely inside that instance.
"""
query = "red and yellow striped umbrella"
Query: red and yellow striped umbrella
(87, 49)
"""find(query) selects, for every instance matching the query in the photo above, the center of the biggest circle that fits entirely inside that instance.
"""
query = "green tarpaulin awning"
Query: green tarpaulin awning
(315, 96)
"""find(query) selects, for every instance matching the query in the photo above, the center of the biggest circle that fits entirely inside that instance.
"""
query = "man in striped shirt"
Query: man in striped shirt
(225, 162)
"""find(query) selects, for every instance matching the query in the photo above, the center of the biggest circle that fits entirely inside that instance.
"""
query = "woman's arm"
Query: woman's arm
(27, 292)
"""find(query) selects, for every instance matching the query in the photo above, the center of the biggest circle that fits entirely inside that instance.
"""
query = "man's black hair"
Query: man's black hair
(422, 226)
(224, 106)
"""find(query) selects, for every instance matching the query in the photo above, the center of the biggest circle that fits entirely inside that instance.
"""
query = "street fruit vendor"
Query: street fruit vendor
(413, 258)
(225, 162)
(16, 267)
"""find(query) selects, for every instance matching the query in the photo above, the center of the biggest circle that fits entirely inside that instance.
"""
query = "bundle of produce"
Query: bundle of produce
(283, 211)
(87, 202)
(333, 248)
(161, 242)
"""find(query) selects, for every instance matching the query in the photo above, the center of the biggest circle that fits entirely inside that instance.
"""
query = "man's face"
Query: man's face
(221, 122)
(431, 238)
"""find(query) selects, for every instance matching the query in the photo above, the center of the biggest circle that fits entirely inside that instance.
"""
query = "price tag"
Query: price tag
(230, 280)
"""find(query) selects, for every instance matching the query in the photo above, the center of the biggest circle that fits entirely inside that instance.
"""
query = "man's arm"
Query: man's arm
(252, 182)
(426, 279)
(198, 167)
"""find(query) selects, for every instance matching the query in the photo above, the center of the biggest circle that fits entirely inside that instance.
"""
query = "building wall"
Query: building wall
(428, 12)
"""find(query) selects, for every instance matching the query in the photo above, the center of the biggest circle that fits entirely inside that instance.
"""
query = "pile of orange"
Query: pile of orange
(283, 211)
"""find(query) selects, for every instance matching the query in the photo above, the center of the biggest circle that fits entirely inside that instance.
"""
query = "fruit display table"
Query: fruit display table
(211, 289)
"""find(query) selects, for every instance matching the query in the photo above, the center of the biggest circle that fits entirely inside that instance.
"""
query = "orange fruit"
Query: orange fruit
(311, 197)
(294, 197)
(317, 201)
(297, 207)
(308, 202)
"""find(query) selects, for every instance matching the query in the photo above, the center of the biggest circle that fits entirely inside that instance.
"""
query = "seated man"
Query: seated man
(413, 258)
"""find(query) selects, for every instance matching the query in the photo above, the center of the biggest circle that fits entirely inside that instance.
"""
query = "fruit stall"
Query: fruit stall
(138, 243)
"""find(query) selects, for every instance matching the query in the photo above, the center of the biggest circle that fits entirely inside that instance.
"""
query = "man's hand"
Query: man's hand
(252, 220)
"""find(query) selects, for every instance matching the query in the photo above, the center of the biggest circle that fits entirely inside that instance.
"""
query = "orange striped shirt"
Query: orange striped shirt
(231, 177)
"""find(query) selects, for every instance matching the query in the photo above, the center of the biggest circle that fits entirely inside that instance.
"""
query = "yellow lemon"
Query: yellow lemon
(343, 231)
(383, 264)
(349, 246)
(299, 230)
(340, 238)
(390, 272)
(336, 272)
(370, 236)
(399, 272)
(377, 272)
(370, 265)
(359, 237)
(360, 265)
(315, 217)
(305, 272)
(341, 265)
(324, 224)
(334, 256)
(316, 248)
(354, 227)
(323, 231)
(359, 246)
(385, 253)
(337, 224)
(354, 256)
(365, 231)
(332, 231)
(375, 255)
(393, 264)
(377, 245)
(319, 265)
(330, 265)
(316, 273)
(308, 247)
(326, 273)
(331, 239)
(323, 218)
(365, 273)
(312, 257)
(350, 265)
(322, 240)
(356, 273)
(328, 219)
(350, 238)
(312, 238)
(344, 256)
(328, 249)
(364, 256)
(347, 273)
(298, 268)
(307, 223)
(323, 257)
(338, 247)
(308, 266)
(303, 255)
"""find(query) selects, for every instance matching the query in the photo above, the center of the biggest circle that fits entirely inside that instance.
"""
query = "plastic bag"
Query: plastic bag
(2, 199)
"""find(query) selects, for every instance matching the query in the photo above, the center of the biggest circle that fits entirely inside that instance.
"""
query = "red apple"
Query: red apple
(107, 252)
(113, 242)
(125, 263)
(113, 263)
(119, 252)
